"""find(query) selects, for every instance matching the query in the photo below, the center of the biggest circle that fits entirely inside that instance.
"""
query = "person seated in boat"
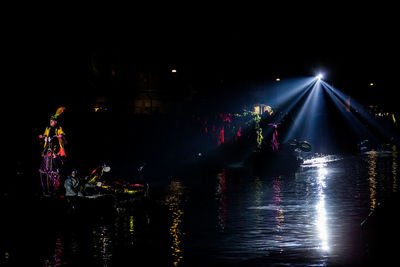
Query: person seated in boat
(72, 185)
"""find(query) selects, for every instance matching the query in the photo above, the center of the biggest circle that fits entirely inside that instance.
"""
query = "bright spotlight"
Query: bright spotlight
(319, 76)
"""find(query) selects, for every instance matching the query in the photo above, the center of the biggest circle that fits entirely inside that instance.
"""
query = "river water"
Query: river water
(230, 216)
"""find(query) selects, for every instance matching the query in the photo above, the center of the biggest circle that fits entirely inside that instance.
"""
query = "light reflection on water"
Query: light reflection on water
(174, 199)
(56, 258)
(102, 244)
(372, 157)
(321, 221)
(279, 214)
(221, 199)
(394, 168)
(311, 218)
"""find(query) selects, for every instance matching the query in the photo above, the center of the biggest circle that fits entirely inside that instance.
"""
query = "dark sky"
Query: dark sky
(352, 46)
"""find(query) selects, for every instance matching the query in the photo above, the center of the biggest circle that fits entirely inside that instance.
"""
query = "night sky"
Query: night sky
(351, 46)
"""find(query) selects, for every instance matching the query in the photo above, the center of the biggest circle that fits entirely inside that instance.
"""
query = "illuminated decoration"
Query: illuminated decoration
(259, 137)
(274, 141)
(262, 108)
(221, 136)
(130, 191)
(131, 224)
(278, 79)
(59, 133)
(98, 108)
(173, 70)
(97, 173)
(269, 110)
(224, 123)
(99, 104)
(251, 119)
(59, 111)
(239, 133)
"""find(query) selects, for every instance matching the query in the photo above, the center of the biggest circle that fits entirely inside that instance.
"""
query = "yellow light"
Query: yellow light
(131, 224)
(278, 79)
(371, 84)
(130, 191)
(173, 70)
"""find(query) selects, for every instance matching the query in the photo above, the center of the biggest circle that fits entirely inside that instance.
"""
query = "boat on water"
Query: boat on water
(104, 199)
(96, 194)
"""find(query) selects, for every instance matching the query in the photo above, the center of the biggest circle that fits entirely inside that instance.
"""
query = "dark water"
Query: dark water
(229, 216)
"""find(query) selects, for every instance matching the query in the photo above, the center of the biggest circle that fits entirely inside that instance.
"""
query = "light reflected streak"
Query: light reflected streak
(372, 157)
(132, 229)
(220, 196)
(394, 168)
(102, 244)
(279, 216)
(57, 258)
(258, 201)
(321, 221)
(174, 202)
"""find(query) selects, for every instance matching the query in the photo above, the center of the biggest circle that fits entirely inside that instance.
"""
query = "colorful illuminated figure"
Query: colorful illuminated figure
(53, 154)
